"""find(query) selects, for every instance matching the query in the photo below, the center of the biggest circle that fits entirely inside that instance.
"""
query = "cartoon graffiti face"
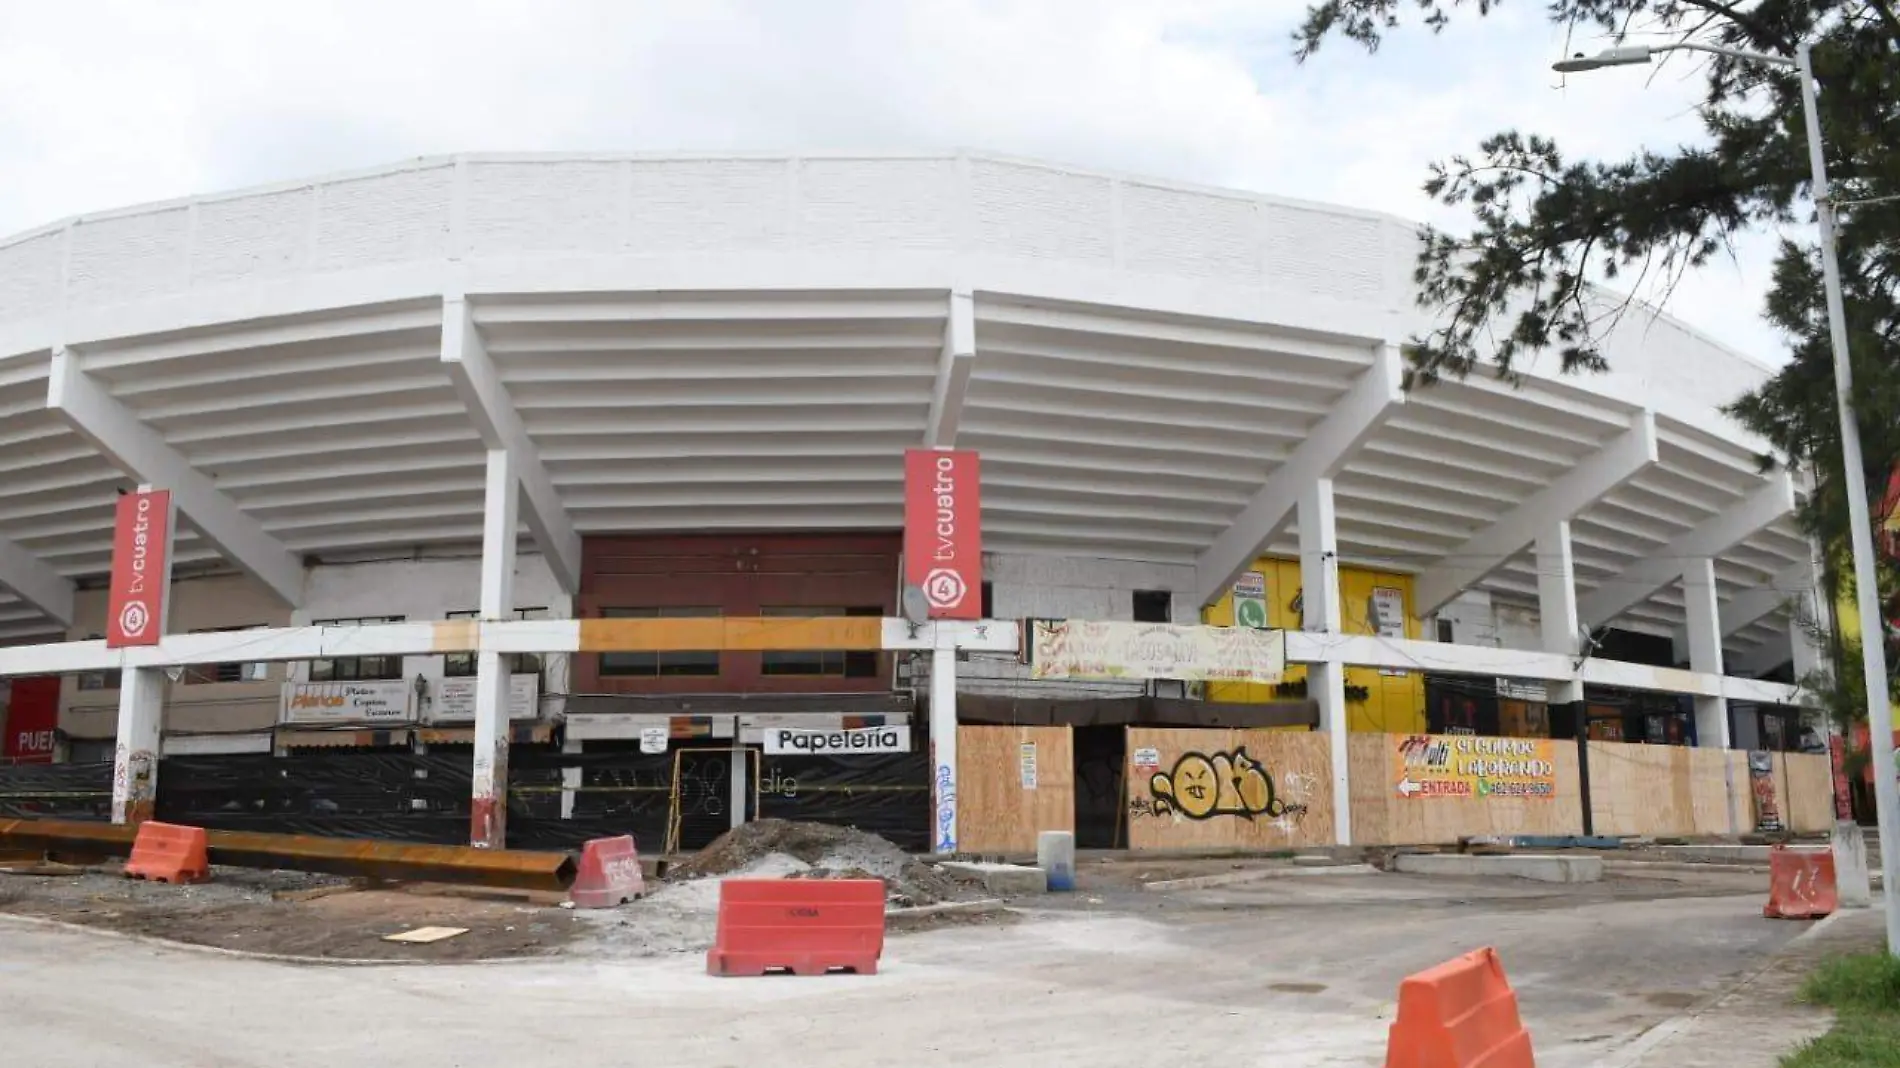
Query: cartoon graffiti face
(1225, 784)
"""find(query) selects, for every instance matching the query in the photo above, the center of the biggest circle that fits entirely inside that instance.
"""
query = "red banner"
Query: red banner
(32, 720)
(141, 569)
(943, 531)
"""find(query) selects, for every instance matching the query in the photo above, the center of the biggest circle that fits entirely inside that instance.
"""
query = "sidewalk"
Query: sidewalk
(1758, 1020)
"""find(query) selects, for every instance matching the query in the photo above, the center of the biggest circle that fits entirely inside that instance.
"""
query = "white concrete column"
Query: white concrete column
(1705, 648)
(1809, 652)
(1319, 601)
(135, 761)
(943, 749)
(488, 810)
(1557, 604)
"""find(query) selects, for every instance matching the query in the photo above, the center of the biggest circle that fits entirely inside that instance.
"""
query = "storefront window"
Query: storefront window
(667, 664)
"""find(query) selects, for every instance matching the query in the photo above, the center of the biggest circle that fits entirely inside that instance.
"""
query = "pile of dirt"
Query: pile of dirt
(832, 853)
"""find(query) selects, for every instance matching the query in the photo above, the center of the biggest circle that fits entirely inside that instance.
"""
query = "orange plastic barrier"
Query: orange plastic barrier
(609, 874)
(803, 926)
(168, 853)
(1461, 1014)
(1801, 884)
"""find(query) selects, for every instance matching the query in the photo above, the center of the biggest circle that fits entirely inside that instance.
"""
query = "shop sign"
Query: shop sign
(861, 741)
(653, 740)
(1026, 760)
(1471, 766)
(1532, 690)
(141, 569)
(1250, 601)
(1093, 649)
(455, 699)
(1388, 607)
(943, 530)
(31, 716)
(348, 702)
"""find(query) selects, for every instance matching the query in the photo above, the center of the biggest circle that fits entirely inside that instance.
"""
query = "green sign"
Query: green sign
(1250, 601)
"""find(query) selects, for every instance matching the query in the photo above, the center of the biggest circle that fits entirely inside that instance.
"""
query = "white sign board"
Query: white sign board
(1089, 649)
(388, 701)
(787, 741)
(455, 699)
(1388, 606)
(653, 739)
(1028, 761)
(1250, 601)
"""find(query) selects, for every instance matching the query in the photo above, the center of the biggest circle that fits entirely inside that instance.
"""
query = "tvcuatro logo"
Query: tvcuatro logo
(944, 588)
(134, 618)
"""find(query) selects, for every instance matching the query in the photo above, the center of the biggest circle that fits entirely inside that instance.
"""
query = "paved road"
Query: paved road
(1288, 974)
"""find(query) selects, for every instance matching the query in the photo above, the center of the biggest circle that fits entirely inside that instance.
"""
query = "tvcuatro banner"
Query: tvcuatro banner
(785, 741)
(1471, 766)
(1087, 649)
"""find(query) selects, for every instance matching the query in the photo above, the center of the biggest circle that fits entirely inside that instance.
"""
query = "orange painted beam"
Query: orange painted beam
(854, 633)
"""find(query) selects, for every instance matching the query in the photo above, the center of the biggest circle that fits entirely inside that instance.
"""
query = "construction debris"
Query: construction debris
(824, 851)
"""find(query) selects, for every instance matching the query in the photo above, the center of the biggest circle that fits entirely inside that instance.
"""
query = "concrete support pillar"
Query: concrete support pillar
(1319, 600)
(943, 748)
(1558, 625)
(1705, 649)
(488, 812)
(135, 761)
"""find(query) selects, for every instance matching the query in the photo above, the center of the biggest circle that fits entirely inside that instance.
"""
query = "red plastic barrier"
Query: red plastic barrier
(609, 874)
(168, 853)
(1801, 884)
(803, 926)
(1461, 1014)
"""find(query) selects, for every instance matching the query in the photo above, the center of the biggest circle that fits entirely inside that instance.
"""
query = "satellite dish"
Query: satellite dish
(914, 605)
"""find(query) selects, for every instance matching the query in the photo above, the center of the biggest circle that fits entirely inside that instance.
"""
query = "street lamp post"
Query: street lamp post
(1866, 580)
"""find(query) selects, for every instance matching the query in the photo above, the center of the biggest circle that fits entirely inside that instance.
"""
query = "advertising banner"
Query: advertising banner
(455, 699)
(32, 720)
(943, 530)
(141, 569)
(1471, 766)
(1761, 785)
(788, 741)
(1089, 649)
(1250, 601)
(347, 702)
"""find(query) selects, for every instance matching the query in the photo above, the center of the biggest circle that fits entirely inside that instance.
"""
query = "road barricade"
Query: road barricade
(802, 926)
(1460, 1014)
(168, 853)
(609, 874)
(1801, 884)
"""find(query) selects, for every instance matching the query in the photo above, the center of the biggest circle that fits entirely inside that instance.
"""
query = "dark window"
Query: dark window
(1154, 606)
(989, 600)
(462, 665)
(235, 671)
(669, 664)
(357, 668)
(99, 680)
(835, 663)
(1444, 631)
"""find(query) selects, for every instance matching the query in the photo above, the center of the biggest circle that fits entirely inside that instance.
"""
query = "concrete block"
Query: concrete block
(1542, 867)
(1004, 880)
(1850, 866)
(1055, 854)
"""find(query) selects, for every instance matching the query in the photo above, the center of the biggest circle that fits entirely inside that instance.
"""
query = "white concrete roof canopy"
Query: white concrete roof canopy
(750, 341)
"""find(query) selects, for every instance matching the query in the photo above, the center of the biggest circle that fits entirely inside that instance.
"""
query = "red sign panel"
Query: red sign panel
(141, 569)
(943, 531)
(32, 717)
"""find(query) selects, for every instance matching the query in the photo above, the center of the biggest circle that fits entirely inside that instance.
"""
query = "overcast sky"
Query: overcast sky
(104, 104)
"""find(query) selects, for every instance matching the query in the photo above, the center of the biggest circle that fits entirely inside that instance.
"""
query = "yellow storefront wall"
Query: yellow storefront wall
(1393, 704)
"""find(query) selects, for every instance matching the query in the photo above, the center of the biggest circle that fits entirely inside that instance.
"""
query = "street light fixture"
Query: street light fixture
(1872, 629)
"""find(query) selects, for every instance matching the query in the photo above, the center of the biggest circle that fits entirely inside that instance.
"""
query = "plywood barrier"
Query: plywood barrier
(1228, 789)
(1013, 783)
(1389, 807)
(1667, 790)
(1809, 791)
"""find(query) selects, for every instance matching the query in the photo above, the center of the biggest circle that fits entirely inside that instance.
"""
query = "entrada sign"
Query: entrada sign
(861, 741)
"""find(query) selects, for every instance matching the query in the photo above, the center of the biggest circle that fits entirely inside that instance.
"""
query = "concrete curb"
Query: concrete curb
(947, 908)
(1628, 1055)
(1231, 878)
(247, 954)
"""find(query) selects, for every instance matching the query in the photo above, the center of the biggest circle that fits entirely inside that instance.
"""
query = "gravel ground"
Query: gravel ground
(105, 887)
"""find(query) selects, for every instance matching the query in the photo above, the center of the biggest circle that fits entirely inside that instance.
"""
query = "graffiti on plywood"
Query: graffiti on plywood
(1201, 786)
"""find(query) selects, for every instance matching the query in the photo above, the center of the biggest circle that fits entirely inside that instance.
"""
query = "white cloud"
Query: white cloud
(111, 103)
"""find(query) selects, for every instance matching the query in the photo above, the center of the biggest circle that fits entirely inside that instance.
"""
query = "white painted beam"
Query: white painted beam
(953, 372)
(34, 582)
(1768, 502)
(1789, 586)
(492, 411)
(1578, 488)
(1324, 454)
(143, 453)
